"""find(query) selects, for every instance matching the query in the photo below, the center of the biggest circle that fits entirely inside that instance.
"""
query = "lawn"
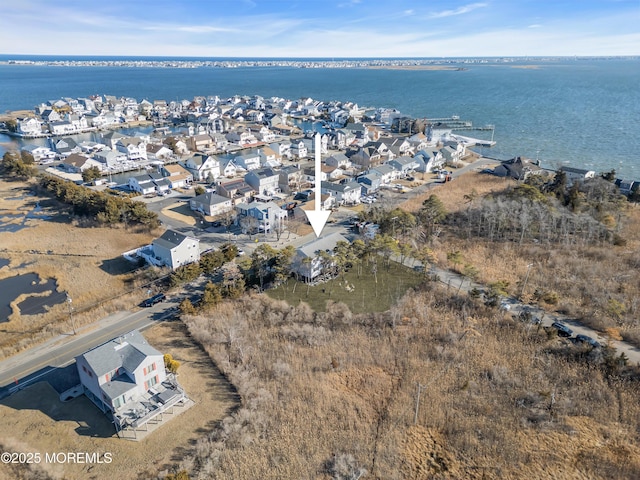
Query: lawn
(359, 294)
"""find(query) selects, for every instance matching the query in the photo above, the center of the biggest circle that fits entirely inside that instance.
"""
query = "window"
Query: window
(153, 381)
(106, 377)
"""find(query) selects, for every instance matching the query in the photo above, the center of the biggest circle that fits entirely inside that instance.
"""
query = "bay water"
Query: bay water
(571, 111)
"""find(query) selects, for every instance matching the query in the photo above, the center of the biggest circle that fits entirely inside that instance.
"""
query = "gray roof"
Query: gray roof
(118, 386)
(127, 351)
(321, 244)
(210, 198)
(170, 239)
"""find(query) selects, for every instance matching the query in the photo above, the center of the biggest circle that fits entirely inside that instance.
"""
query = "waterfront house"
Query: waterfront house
(200, 143)
(211, 204)
(40, 154)
(248, 161)
(29, 126)
(518, 168)
(307, 263)
(269, 158)
(76, 163)
(174, 249)
(134, 148)
(298, 150)
(264, 180)
(158, 152)
(142, 184)
(177, 176)
(572, 174)
(112, 159)
(203, 167)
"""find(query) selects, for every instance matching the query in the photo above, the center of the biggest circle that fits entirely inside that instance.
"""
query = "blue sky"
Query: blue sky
(320, 28)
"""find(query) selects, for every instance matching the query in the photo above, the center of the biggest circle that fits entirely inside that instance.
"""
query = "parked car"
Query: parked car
(150, 302)
(588, 340)
(563, 330)
(217, 224)
(240, 252)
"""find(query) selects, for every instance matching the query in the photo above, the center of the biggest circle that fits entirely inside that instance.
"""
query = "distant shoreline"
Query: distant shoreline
(417, 67)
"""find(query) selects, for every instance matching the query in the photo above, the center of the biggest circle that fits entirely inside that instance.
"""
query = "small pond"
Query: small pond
(28, 283)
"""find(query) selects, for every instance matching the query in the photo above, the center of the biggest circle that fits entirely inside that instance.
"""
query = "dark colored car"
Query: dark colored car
(563, 330)
(151, 301)
(588, 340)
(217, 224)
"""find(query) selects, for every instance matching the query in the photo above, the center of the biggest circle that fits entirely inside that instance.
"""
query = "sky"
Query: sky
(321, 28)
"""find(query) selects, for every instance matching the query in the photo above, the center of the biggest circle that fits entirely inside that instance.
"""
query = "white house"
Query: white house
(29, 126)
(143, 184)
(344, 193)
(175, 249)
(307, 262)
(573, 174)
(211, 204)
(133, 147)
(126, 378)
(40, 154)
(299, 149)
(177, 176)
(267, 214)
(203, 167)
(264, 181)
(248, 161)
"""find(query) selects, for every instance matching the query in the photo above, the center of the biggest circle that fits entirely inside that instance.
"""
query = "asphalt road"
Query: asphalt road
(32, 365)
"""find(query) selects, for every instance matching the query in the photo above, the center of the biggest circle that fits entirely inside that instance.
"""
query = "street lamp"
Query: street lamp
(526, 277)
(73, 325)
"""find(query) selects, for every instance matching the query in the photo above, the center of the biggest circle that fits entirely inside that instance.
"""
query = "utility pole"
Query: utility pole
(415, 416)
(526, 277)
(73, 325)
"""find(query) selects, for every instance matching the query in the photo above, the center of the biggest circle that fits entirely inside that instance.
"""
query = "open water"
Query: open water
(578, 112)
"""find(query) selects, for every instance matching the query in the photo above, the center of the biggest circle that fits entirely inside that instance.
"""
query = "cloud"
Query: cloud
(458, 11)
(188, 28)
(535, 25)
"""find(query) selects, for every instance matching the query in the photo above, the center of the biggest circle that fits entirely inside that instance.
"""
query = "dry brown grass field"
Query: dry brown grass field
(598, 284)
(85, 261)
(34, 420)
(333, 395)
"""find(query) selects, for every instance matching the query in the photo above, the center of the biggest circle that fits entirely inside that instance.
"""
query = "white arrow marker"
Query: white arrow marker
(318, 217)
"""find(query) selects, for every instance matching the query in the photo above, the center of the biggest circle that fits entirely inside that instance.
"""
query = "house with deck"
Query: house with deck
(174, 249)
(307, 263)
(211, 204)
(126, 378)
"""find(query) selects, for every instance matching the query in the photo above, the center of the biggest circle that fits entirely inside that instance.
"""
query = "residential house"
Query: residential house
(269, 158)
(143, 184)
(264, 180)
(290, 179)
(211, 204)
(338, 160)
(200, 143)
(134, 148)
(248, 161)
(386, 173)
(518, 168)
(112, 159)
(370, 182)
(237, 190)
(451, 155)
(267, 215)
(345, 193)
(158, 152)
(76, 163)
(403, 165)
(40, 154)
(298, 150)
(61, 127)
(572, 174)
(282, 148)
(307, 263)
(29, 126)
(428, 160)
(228, 167)
(121, 374)
(203, 167)
(175, 249)
(177, 176)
